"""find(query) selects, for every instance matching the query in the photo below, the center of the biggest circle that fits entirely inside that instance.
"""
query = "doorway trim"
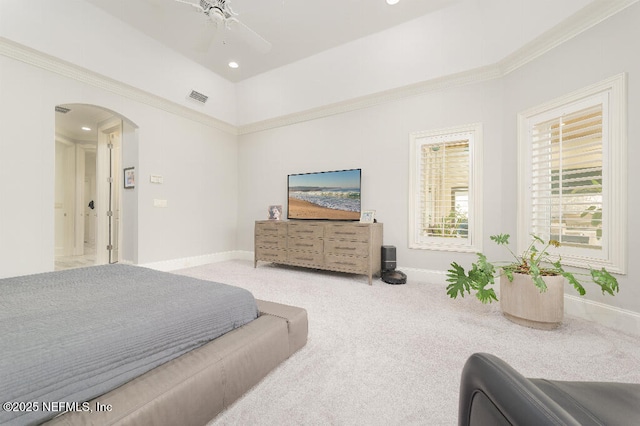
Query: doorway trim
(107, 175)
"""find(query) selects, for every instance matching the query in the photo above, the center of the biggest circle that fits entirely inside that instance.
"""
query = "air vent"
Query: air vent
(197, 96)
(62, 109)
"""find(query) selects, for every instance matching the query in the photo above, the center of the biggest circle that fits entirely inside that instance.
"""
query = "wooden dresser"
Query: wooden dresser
(335, 246)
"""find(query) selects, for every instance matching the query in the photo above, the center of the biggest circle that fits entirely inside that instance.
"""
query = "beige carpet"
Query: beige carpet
(392, 355)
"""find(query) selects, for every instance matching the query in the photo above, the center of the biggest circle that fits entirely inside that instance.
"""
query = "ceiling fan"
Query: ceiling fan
(221, 17)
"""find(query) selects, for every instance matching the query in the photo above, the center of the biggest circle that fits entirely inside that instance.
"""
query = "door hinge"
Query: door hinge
(110, 213)
(110, 145)
(109, 180)
(110, 247)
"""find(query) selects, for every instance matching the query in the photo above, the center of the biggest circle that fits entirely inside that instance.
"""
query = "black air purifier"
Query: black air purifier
(389, 273)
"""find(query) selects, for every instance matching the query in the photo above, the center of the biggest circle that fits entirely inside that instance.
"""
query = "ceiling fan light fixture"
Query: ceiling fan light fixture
(217, 15)
(233, 64)
(392, 2)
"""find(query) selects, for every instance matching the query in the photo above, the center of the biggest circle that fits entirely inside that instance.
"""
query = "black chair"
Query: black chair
(492, 393)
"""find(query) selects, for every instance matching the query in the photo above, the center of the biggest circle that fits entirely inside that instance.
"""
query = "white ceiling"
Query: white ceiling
(296, 28)
(70, 124)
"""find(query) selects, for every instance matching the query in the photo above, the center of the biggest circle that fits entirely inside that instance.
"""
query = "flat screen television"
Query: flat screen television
(331, 195)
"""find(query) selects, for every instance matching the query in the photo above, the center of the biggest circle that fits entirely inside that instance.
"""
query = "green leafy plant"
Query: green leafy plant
(596, 218)
(534, 261)
(454, 225)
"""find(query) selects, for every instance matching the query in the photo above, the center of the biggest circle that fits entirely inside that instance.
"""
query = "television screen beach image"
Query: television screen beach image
(331, 195)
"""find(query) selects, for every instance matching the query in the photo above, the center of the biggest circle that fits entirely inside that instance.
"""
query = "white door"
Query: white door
(90, 198)
(64, 196)
(79, 216)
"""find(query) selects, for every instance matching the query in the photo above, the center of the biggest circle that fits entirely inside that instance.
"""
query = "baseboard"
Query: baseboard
(425, 276)
(601, 313)
(189, 262)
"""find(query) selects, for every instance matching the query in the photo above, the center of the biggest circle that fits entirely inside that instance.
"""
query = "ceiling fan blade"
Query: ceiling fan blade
(207, 34)
(193, 3)
(249, 36)
(189, 15)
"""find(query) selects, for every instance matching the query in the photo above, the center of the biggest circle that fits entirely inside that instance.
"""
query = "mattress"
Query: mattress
(70, 336)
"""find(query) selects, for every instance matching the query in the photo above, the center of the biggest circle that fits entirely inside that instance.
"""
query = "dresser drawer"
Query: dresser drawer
(346, 263)
(271, 255)
(304, 244)
(305, 258)
(344, 247)
(347, 232)
(273, 228)
(306, 230)
(271, 241)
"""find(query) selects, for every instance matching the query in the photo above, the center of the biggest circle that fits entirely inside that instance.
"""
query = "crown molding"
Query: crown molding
(589, 16)
(61, 67)
(586, 18)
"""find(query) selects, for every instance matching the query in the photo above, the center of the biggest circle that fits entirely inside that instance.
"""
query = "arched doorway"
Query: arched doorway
(88, 207)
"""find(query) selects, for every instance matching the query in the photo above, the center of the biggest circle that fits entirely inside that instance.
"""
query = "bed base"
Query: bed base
(195, 387)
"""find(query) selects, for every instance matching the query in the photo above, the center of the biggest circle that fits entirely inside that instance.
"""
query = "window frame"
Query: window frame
(613, 254)
(473, 242)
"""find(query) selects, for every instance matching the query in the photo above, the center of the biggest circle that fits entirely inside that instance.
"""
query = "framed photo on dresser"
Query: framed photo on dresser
(367, 216)
(275, 213)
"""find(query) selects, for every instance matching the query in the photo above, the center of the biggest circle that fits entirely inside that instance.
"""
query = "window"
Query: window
(573, 187)
(445, 189)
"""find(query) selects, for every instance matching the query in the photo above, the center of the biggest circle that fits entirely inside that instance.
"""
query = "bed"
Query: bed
(120, 344)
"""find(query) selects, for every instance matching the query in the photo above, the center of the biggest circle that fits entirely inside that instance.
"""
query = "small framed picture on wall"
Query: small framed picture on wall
(367, 216)
(275, 213)
(130, 177)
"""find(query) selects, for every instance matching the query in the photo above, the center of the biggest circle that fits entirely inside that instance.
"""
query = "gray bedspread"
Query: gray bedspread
(73, 335)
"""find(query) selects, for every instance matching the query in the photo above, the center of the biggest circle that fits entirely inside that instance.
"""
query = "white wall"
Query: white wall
(376, 140)
(27, 151)
(199, 167)
(198, 163)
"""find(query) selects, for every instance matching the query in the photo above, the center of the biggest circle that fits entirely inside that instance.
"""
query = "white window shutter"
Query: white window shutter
(572, 181)
(566, 177)
(445, 189)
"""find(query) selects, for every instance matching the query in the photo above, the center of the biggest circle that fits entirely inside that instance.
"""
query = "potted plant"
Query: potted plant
(531, 286)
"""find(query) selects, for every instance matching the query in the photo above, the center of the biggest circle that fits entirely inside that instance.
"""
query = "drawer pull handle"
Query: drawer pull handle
(303, 245)
(345, 233)
(304, 258)
(345, 263)
(345, 248)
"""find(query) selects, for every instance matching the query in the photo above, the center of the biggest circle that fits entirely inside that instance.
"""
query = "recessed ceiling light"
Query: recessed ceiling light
(392, 2)
(86, 129)
(233, 64)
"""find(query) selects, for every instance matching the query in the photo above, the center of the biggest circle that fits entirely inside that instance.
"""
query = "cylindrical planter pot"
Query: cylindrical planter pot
(523, 303)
